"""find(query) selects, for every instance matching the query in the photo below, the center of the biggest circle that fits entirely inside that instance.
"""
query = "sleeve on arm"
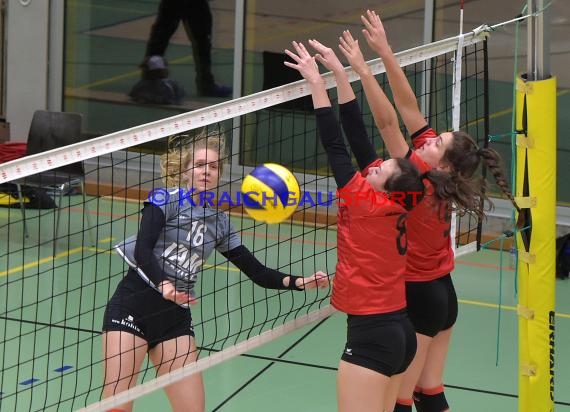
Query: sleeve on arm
(152, 225)
(260, 274)
(331, 137)
(420, 137)
(230, 239)
(355, 131)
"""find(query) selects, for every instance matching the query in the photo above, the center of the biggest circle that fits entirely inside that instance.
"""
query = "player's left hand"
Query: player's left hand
(318, 280)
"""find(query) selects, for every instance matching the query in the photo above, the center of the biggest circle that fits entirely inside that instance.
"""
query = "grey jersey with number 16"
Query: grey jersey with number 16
(190, 235)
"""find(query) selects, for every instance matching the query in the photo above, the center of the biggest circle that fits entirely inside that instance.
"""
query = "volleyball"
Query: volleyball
(270, 193)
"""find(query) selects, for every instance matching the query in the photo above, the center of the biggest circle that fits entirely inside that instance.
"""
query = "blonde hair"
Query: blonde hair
(180, 157)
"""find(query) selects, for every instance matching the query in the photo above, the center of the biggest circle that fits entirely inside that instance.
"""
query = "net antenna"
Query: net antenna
(456, 116)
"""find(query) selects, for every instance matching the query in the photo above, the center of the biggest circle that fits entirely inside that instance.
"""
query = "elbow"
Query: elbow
(142, 255)
(389, 128)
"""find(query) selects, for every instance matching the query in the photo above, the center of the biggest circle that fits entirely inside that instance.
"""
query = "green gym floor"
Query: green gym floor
(294, 372)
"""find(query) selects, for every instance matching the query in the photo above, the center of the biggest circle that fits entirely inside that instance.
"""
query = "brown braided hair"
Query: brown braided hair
(465, 193)
(464, 157)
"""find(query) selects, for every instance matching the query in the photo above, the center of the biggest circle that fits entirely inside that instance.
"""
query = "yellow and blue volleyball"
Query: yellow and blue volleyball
(270, 193)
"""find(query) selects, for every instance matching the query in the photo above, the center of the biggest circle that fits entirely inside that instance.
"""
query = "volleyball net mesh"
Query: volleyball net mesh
(57, 275)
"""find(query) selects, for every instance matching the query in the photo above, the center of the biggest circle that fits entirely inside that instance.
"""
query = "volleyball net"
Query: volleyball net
(58, 275)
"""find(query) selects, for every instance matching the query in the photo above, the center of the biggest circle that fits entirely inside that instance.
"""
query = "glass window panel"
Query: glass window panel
(106, 42)
(286, 134)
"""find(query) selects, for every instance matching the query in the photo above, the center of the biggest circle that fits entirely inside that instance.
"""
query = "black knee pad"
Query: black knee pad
(430, 403)
(418, 401)
(402, 408)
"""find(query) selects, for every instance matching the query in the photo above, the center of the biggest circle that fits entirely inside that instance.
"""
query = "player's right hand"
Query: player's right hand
(169, 292)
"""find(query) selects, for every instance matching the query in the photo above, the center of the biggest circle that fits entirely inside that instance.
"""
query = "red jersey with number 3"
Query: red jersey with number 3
(371, 249)
(430, 255)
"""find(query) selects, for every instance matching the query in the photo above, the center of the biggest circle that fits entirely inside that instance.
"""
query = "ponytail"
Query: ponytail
(468, 195)
(493, 162)
(464, 158)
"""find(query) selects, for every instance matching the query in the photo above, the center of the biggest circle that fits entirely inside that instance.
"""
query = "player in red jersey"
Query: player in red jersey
(369, 282)
(431, 298)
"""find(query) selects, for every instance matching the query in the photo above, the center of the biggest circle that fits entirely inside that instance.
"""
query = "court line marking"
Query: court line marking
(42, 261)
(505, 307)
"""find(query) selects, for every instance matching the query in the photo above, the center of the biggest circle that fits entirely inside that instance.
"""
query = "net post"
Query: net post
(536, 178)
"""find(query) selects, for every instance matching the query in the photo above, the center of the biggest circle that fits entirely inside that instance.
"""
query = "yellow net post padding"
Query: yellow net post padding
(536, 195)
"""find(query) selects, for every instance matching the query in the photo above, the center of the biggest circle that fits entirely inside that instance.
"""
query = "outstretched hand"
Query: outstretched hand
(374, 32)
(326, 56)
(317, 280)
(351, 50)
(304, 63)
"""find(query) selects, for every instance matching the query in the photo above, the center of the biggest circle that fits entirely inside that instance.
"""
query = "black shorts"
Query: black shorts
(384, 343)
(139, 309)
(432, 306)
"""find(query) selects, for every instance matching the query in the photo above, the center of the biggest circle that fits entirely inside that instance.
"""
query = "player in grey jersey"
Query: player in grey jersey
(148, 314)
(190, 234)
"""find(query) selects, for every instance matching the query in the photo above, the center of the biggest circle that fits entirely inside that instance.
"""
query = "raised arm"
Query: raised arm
(384, 114)
(308, 68)
(326, 56)
(404, 97)
(327, 124)
(350, 115)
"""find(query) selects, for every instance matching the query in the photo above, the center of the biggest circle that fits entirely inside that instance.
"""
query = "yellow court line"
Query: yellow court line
(107, 240)
(48, 259)
(505, 307)
(41, 261)
(485, 304)
(73, 252)
(96, 249)
(230, 268)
